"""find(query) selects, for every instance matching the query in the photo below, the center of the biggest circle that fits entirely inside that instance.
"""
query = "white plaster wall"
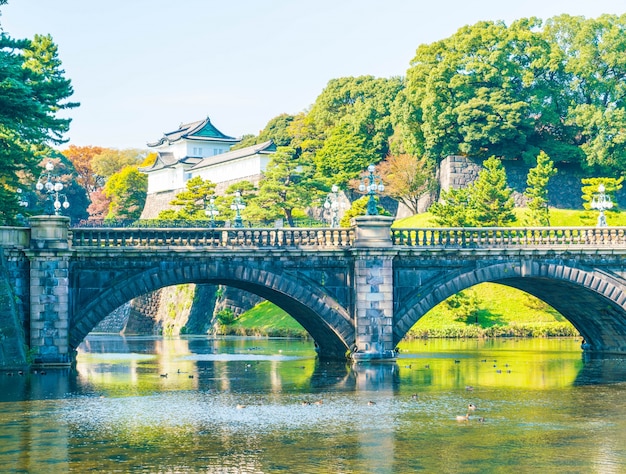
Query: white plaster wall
(234, 170)
(206, 149)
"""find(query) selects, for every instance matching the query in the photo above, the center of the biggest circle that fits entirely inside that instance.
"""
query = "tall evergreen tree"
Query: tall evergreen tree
(33, 90)
(537, 190)
(491, 199)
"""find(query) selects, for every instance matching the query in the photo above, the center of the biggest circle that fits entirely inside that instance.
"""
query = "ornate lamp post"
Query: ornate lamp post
(601, 202)
(374, 185)
(211, 211)
(332, 204)
(21, 199)
(238, 205)
(51, 185)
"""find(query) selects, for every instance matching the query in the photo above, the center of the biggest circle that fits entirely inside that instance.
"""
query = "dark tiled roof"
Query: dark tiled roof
(200, 130)
(263, 148)
(165, 160)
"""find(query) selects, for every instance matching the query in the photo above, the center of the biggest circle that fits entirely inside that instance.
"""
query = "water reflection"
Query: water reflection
(254, 405)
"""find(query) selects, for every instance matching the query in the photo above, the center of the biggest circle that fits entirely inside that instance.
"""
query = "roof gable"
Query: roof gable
(200, 130)
(167, 160)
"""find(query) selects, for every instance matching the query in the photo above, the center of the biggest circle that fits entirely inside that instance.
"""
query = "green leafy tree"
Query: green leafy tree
(512, 91)
(111, 160)
(277, 130)
(33, 90)
(593, 63)
(344, 155)
(127, 190)
(537, 190)
(192, 201)
(352, 117)
(474, 90)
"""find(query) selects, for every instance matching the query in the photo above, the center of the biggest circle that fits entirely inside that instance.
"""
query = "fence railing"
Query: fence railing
(233, 237)
(489, 237)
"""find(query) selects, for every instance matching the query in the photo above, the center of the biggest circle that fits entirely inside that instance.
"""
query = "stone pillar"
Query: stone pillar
(373, 282)
(49, 256)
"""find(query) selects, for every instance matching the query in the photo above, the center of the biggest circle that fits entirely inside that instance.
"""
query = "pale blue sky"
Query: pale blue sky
(142, 67)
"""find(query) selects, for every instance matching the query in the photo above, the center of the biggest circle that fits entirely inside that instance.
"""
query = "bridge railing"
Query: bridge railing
(486, 237)
(233, 237)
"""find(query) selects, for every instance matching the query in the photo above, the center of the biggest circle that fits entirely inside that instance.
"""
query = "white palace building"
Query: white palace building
(199, 149)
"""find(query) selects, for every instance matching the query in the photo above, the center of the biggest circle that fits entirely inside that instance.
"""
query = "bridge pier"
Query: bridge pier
(373, 279)
(49, 257)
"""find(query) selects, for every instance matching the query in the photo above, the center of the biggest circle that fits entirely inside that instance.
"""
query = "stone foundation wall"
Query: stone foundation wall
(238, 301)
(142, 315)
(115, 322)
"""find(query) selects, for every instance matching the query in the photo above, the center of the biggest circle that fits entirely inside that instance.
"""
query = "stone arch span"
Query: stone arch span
(594, 301)
(328, 323)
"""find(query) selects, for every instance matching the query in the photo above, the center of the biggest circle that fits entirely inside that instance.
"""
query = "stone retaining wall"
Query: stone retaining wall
(564, 189)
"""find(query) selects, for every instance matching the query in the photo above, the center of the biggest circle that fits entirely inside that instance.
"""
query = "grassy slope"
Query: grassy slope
(502, 310)
(266, 319)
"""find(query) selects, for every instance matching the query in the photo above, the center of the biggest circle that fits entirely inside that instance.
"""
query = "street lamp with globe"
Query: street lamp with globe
(51, 186)
(211, 211)
(332, 204)
(374, 185)
(238, 205)
(601, 202)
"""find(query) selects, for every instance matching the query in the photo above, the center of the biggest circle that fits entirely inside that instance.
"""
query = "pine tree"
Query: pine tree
(537, 190)
(491, 200)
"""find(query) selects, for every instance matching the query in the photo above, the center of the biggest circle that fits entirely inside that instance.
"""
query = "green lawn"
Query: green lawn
(558, 218)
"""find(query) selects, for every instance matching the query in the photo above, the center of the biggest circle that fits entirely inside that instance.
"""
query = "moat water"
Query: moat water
(240, 405)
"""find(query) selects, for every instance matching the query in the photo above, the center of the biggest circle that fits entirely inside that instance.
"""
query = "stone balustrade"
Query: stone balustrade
(448, 237)
(233, 237)
(498, 237)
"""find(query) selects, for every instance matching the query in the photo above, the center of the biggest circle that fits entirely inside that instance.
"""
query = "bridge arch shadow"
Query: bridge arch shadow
(327, 322)
(593, 301)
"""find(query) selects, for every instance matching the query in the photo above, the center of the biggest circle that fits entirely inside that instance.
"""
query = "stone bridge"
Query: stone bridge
(357, 291)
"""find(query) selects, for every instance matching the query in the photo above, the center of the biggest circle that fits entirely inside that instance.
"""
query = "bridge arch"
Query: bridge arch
(593, 301)
(327, 322)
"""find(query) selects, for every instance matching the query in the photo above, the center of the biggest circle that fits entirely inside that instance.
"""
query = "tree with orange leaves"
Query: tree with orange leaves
(82, 157)
(407, 178)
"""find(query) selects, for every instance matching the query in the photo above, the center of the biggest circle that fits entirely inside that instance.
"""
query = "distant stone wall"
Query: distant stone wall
(564, 189)
(456, 172)
(157, 202)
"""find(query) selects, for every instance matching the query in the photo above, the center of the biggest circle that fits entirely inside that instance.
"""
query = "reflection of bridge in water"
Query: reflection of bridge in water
(356, 290)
